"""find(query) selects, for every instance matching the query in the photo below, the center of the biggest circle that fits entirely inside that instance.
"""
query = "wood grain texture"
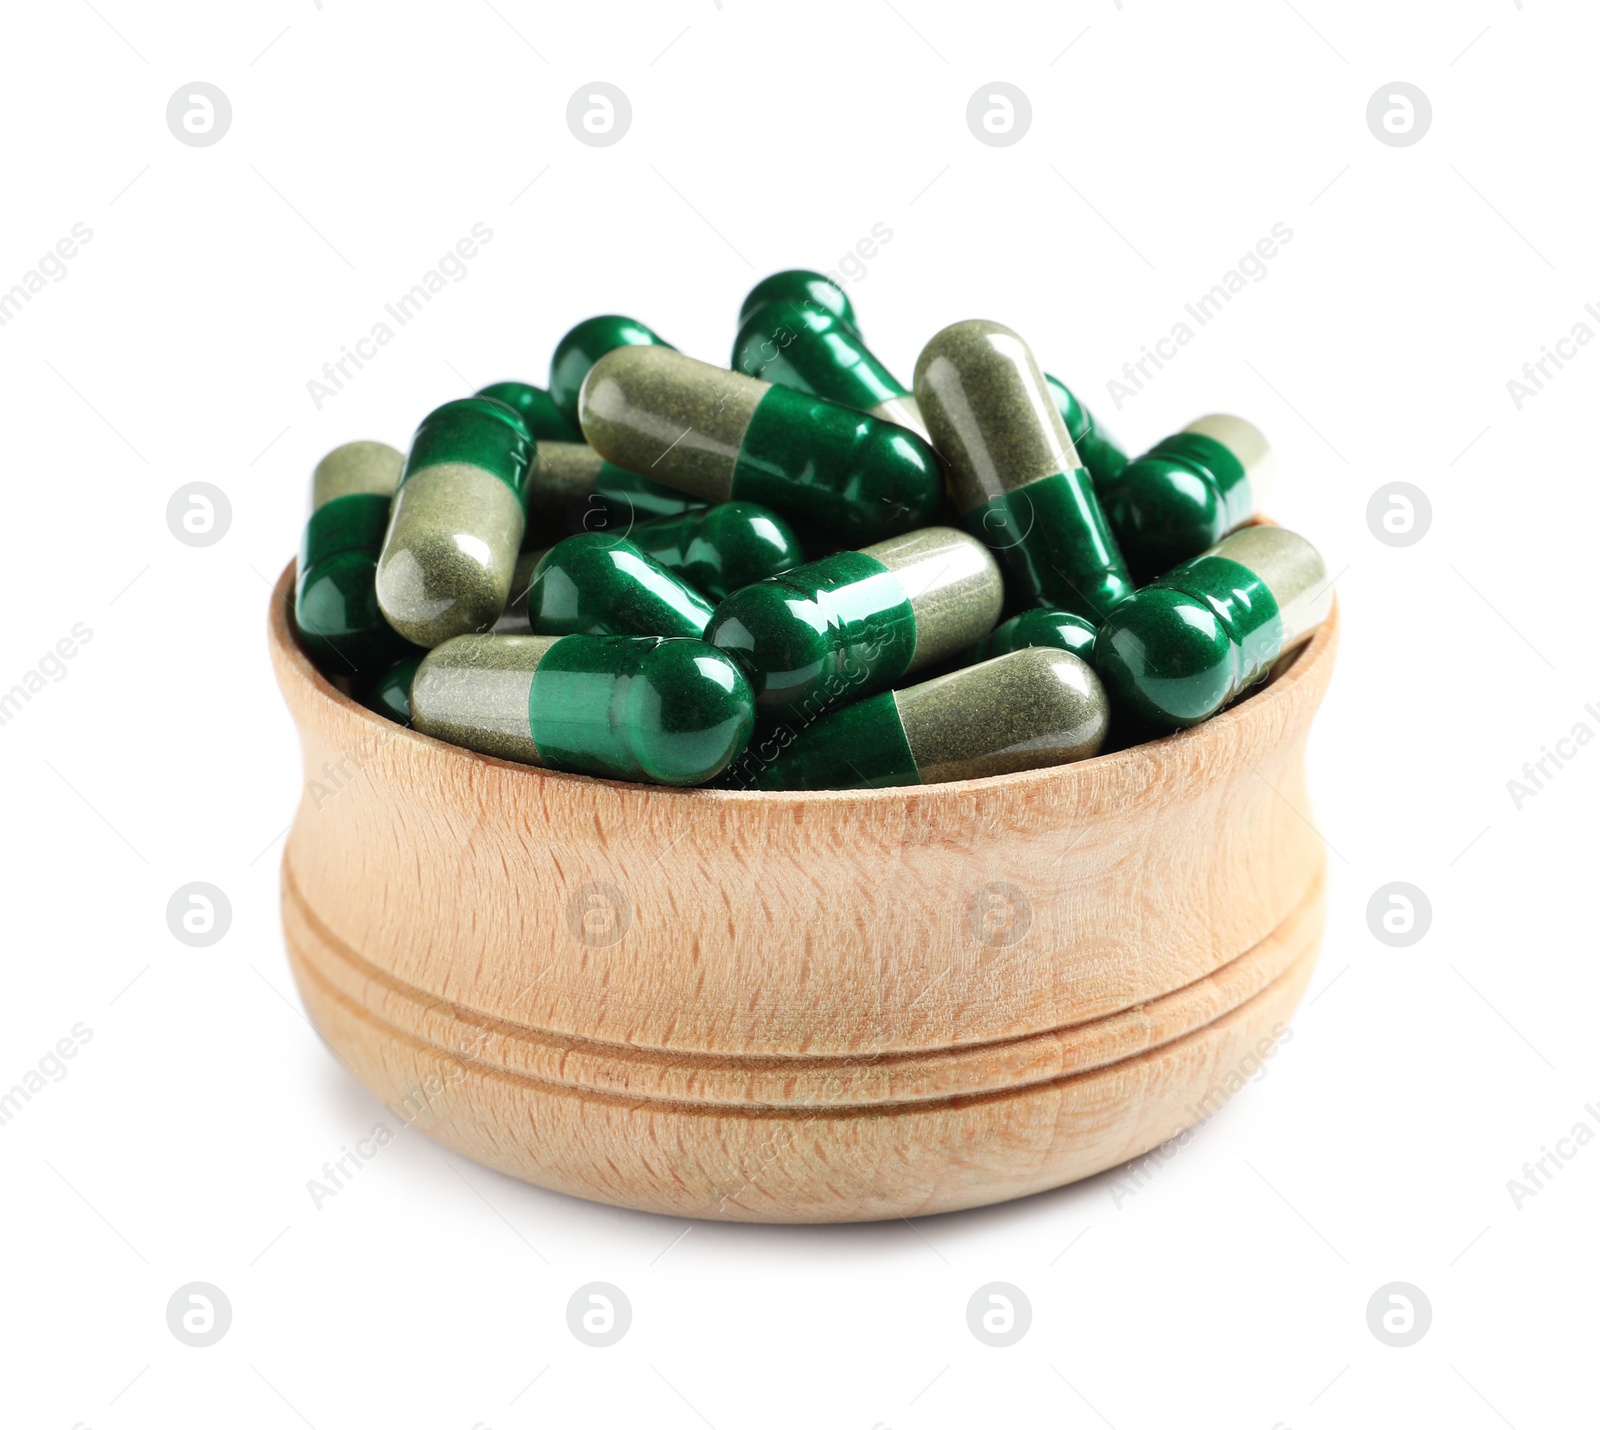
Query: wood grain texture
(801, 1007)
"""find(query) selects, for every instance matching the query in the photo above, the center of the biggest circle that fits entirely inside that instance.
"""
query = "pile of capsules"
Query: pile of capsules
(666, 571)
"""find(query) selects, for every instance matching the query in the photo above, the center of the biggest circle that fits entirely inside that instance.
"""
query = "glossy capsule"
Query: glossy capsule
(581, 347)
(722, 436)
(671, 712)
(799, 285)
(810, 349)
(1020, 711)
(855, 622)
(1097, 449)
(457, 521)
(1060, 630)
(335, 601)
(1181, 648)
(1014, 474)
(597, 584)
(718, 549)
(390, 694)
(576, 489)
(1185, 494)
(536, 409)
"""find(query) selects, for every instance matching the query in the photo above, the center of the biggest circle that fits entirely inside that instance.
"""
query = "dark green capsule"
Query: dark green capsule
(1060, 630)
(1014, 474)
(803, 346)
(718, 549)
(390, 694)
(1178, 650)
(602, 585)
(799, 285)
(853, 623)
(536, 408)
(335, 601)
(721, 436)
(671, 712)
(582, 347)
(1097, 449)
(1020, 711)
(578, 490)
(1185, 494)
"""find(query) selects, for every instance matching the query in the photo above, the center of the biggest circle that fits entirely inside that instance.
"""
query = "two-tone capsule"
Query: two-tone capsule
(799, 285)
(1060, 630)
(1186, 493)
(1014, 475)
(582, 346)
(672, 712)
(456, 524)
(575, 488)
(335, 601)
(1020, 711)
(855, 622)
(1097, 449)
(718, 549)
(1178, 650)
(535, 407)
(722, 436)
(602, 585)
(810, 349)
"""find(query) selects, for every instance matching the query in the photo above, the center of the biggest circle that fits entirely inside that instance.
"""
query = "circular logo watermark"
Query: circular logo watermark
(998, 114)
(599, 914)
(199, 514)
(599, 1314)
(1399, 915)
(598, 114)
(198, 114)
(1000, 915)
(1399, 1314)
(999, 1314)
(199, 915)
(1399, 514)
(199, 1314)
(1398, 114)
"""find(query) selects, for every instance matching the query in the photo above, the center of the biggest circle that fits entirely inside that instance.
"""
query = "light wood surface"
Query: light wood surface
(819, 1007)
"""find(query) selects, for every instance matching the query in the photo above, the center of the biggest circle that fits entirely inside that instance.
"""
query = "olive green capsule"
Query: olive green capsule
(1185, 494)
(1178, 650)
(722, 436)
(583, 346)
(335, 600)
(1097, 449)
(534, 406)
(1021, 711)
(390, 694)
(577, 489)
(855, 622)
(802, 346)
(597, 584)
(718, 549)
(799, 285)
(1014, 475)
(1060, 630)
(672, 712)
(457, 521)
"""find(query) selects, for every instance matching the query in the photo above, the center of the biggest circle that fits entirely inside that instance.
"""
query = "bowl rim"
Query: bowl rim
(1192, 744)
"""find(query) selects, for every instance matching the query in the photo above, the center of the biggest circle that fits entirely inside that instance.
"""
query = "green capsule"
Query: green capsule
(1020, 711)
(855, 622)
(1097, 449)
(536, 409)
(1176, 651)
(390, 694)
(584, 346)
(799, 285)
(672, 712)
(802, 346)
(1013, 472)
(1185, 494)
(335, 600)
(1060, 630)
(718, 549)
(457, 521)
(578, 490)
(722, 436)
(596, 584)
(514, 619)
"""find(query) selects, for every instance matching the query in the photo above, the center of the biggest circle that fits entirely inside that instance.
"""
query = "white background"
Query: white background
(1166, 140)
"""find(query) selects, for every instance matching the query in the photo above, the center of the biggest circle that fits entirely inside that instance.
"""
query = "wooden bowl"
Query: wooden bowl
(838, 1006)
